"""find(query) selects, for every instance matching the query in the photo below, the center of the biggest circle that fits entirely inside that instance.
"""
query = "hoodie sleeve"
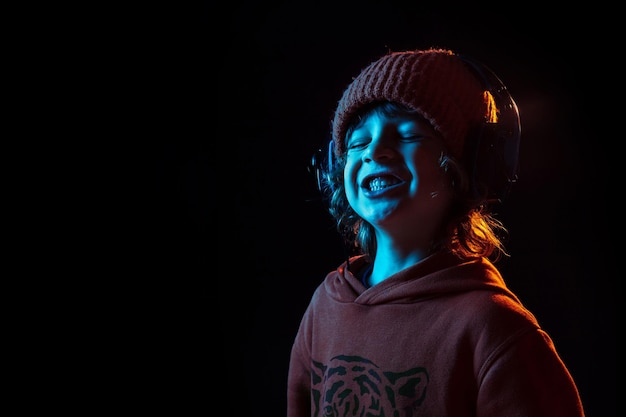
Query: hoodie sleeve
(299, 375)
(527, 378)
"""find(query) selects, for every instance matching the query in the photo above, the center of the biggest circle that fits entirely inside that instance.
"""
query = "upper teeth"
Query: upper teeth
(379, 183)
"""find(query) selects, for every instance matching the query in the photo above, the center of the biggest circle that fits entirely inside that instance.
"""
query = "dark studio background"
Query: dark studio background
(244, 239)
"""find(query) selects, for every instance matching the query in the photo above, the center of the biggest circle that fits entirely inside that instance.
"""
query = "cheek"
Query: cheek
(429, 168)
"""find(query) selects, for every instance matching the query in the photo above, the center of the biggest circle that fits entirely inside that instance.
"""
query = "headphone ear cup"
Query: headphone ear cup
(331, 164)
(322, 165)
(492, 153)
(315, 168)
(494, 161)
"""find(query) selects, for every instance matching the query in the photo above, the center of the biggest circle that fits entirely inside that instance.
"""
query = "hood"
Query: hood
(438, 275)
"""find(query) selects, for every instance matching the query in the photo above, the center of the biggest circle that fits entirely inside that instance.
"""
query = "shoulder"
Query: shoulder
(497, 311)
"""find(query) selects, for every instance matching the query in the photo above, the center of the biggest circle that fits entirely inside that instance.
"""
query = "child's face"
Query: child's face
(393, 178)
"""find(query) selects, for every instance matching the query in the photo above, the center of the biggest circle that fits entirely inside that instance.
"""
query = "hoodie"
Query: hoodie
(442, 338)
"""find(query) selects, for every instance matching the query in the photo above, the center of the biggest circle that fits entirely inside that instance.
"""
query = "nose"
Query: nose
(380, 148)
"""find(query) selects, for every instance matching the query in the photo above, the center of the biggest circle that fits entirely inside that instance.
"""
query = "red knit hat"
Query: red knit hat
(435, 82)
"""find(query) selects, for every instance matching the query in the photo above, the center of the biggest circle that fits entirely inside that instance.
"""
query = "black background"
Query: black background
(240, 238)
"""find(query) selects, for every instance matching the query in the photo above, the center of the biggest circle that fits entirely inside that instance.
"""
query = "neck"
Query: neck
(390, 262)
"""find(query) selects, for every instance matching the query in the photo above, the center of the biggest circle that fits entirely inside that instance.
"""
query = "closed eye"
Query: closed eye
(359, 143)
(413, 138)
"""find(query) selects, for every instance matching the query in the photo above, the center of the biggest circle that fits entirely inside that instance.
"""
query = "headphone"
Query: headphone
(491, 152)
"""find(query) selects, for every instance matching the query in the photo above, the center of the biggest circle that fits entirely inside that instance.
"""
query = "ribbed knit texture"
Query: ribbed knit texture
(435, 82)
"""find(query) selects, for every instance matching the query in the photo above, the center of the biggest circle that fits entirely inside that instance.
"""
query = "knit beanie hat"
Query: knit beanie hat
(435, 82)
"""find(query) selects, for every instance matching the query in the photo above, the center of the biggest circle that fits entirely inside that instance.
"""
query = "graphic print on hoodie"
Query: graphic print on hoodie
(355, 386)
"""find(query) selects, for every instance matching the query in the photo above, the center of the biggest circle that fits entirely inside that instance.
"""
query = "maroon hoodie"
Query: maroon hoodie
(442, 338)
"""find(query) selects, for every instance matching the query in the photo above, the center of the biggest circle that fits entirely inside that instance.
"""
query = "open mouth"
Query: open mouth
(380, 183)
